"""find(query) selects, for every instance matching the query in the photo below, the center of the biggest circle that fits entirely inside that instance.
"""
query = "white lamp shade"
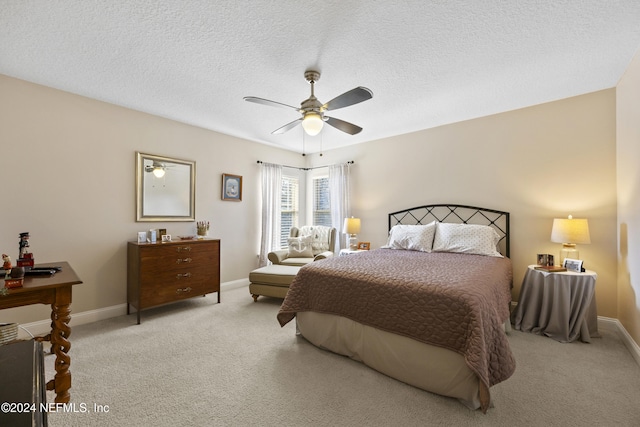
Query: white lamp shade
(351, 225)
(312, 123)
(575, 231)
(158, 172)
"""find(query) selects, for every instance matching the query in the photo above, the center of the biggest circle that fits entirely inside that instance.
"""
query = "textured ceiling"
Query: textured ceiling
(428, 63)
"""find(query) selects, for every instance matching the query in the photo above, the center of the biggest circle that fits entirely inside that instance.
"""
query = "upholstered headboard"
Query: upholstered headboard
(459, 214)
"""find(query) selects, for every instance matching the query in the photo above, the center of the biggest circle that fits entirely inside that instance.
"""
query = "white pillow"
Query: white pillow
(320, 236)
(300, 247)
(466, 238)
(411, 237)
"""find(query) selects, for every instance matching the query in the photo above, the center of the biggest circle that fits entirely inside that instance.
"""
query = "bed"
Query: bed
(429, 308)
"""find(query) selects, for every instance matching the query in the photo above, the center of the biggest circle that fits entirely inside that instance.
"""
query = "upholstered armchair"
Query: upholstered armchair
(306, 244)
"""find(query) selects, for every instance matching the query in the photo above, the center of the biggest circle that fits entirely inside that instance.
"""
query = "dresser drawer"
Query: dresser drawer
(186, 274)
(174, 290)
(176, 249)
(168, 258)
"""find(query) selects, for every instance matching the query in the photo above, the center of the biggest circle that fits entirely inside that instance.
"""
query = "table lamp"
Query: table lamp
(570, 232)
(351, 227)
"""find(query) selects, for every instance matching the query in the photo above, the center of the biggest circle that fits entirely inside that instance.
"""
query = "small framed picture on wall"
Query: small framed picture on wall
(231, 187)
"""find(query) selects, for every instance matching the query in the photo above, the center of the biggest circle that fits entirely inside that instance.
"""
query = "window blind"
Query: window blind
(289, 207)
(321, 202)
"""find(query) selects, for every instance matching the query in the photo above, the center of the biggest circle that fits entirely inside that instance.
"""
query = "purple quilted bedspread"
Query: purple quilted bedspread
(455, 301)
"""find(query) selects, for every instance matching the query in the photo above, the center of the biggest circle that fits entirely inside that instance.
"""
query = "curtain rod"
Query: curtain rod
(350, 162)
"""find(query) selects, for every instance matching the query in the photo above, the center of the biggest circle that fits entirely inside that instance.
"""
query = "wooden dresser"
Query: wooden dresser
(160, 273)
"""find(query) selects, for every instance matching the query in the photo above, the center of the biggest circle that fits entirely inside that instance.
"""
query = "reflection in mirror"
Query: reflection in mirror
(165, 188)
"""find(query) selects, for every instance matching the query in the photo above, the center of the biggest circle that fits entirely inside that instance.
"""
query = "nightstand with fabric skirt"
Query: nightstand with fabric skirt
(560, 305)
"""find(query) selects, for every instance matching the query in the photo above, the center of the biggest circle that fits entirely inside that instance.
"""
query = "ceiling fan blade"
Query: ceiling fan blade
(347, 127)
(354, 96)
(287, 127)
(268, 102)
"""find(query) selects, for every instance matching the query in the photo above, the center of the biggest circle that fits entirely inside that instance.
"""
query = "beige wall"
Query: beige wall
(68, 173)
(77, 155)
(628, 140)
(538, 163)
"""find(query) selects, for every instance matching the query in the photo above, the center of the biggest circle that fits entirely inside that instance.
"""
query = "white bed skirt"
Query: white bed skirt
(425, 366)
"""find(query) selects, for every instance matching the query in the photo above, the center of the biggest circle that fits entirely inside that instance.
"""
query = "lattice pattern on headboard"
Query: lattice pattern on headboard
(459, 214)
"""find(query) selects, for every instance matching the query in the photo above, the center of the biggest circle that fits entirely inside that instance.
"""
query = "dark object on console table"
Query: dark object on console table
(23, 385)
(160, 273)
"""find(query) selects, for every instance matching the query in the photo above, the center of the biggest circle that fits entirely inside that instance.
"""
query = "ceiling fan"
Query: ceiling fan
(157, 168)
(312, 110)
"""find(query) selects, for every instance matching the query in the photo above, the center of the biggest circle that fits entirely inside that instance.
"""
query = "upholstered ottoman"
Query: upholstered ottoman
(271, 281)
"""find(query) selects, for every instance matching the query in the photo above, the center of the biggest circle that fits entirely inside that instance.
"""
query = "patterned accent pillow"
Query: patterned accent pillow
(411, 237)
(319, 237)
(300, 247)
(466, 238)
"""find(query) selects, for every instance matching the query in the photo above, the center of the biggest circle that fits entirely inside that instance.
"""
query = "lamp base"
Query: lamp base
(353, 245)
(568, 251)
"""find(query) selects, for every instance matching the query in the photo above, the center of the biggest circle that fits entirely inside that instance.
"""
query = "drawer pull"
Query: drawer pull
(187, 289)
(180, 261)
(183, 249)
(180, 276)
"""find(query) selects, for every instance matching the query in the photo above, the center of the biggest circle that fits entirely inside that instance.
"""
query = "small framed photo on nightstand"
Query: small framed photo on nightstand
(545, 260)
(364, 246)
(574, 265)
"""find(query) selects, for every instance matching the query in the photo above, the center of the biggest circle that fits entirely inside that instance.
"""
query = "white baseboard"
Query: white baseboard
(608, 323)
(43, 327)
(235, 284)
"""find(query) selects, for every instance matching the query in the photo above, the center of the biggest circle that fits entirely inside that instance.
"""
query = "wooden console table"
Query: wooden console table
(56, 291)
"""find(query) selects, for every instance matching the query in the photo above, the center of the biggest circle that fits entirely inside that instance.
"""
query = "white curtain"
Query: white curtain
(271, 191)
(340, 205)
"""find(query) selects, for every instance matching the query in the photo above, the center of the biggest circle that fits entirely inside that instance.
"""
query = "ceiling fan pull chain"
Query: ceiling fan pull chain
(304, 139)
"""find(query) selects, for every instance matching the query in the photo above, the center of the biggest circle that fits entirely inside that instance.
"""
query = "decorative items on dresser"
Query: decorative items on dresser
(160, 273)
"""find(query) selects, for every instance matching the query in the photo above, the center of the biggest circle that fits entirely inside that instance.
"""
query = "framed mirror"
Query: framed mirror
(165, 188)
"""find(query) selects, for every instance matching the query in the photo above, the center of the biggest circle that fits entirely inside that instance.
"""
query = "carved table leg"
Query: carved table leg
(60, 345)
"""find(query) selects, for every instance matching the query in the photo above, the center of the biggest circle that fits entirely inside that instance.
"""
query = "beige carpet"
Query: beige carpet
(198, 363)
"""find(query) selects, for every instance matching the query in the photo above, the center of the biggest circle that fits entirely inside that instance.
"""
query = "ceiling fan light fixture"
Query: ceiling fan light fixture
(312, 123)
(158, 172)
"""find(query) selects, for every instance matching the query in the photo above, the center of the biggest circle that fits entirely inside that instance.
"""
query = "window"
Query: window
(321, 202)
(304, 196)
(289, 207)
